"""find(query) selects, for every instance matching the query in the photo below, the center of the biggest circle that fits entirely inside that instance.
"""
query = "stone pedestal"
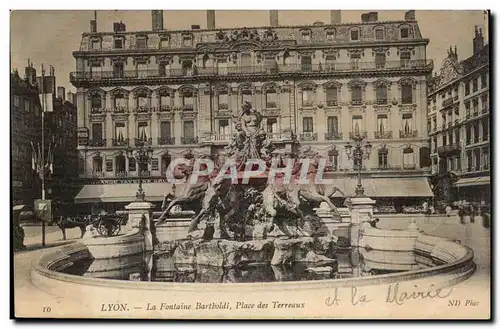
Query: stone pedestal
(361, 212)
(329, 224)
(139, 218)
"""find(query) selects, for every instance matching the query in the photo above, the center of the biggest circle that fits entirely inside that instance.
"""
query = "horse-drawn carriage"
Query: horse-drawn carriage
(108, 224)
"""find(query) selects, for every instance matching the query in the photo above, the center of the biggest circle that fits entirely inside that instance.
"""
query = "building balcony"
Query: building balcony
(189, 140)
(120, 142)
(271, 105)
(386, 168)
(333, 136)
(166, 140)
(308, 136)
(155, 74)
(97, 142)
(331, 102)
(382, 134)
(274, 136)
(223, 106)
(308, 103)
(120, 174)
(143, 141)
(449, 149)
(165, 108)
(356, 102)
(382, 101)
(409, 166)
(357, 135)
(220, 137)
(188, 107)
(408, 134)
(447, 102)
(96, 174)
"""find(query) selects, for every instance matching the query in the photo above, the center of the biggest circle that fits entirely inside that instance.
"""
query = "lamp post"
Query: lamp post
(357, 154)
(142, 156)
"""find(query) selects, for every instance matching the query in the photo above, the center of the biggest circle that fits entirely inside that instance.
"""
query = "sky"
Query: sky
(50, 36)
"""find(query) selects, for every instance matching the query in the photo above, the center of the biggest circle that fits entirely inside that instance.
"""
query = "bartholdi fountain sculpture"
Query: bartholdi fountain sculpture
(254, 215)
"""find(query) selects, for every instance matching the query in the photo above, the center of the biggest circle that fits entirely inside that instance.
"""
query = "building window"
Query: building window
(188, 101)
(109, 165)
(132, 166)
(141, 43)
(357, 122)
(223, 100)
(246, 96)
(306, 36)
(379, 61)
(120, 101)
(96, 44)
(27, 106)
(187, 68)
(120, 131)
(142, 131)
(142, 70)
(222, 67)
(379, 33)
(165, 129)
(408, 159)
(382, 123)
(467, 109)
(330, 35)
(356, 95)
(187, 41)
(475, 106)
(97, 164)
(407, 123)
(164, 69)
(154, 164)
(355, 61)
(224, 127)
(164, 42)
(118, 70)
(405, 32)
(307, 97)
(142, 100)
(307, 125)
(272, 125)
(271, 99)
(331, 96)
(188, 130)
(165, 101)
(354, 34)
(474, 85)
(407, 94)
(381, 92)
(382, 158)
(467, 88)
(118, 43)
(95, 102)
(306, 63)
(165, 162)
(483, 80)
(97, 131)
(330, 62)
(404, 58)
(332, 125)
(16, 100)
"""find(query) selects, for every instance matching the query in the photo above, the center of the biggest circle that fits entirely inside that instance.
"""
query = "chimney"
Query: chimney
(157, 16)
(373, 16)
(30, 73)
(410, 15)
(69, 97)
(61, 93)
(478, 41)
(273, 18)
(365, 18)
(335, 16)
(93, 23)
(195, 27)
(118, 27)
(211, 19)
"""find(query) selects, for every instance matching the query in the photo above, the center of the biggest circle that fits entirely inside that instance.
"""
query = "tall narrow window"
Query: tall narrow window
(120, 164)
(382, 123)
(306, 63)
(118, 43)
(356, 95)
(246, 96)
(407, 123)
(330, 62)
(271, 99)
(96, 44)
(270, 65)
(381, 94)
(474, 85)
(330, 35)
(379, 61)
(354, 34)
(408, 159)
(188, 129)
(120, 102)
(132, 166)
(165, 101)
(222, 67)
(272, 125)
(307, 124)
(223, 100)
(97, 131)
(404, 58)
(143, 131)
(307, 97)
(118, 70)
(246, 62)
(165, 130)
(405, 32)
(483, 80)
(187, 41)
(97, 164)
(379, 33)
(141, 43)
(357, 122)
(142, 101)
(332, 125)
(120, 133)
(96, 101)
(467, 87)
(331, 96)
(355, 58)
(224, 127)
(187, 68)
(164, 69)
(382, 158)
(306, 36)
(188, 101)
(142, 70)
(407, 94)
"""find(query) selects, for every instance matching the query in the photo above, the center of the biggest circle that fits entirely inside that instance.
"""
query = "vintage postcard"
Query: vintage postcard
(270, 164)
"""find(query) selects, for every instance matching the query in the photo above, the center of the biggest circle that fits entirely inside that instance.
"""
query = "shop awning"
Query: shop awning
(384, 187)
(122, 192)
(473, 181)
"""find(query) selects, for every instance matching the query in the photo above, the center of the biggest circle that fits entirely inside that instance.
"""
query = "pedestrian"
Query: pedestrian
(448, 210)
(425, 207)
(472, 213)
(461, 214)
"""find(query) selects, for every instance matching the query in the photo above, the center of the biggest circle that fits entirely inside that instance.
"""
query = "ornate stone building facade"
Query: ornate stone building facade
(316, 85)
(459, 125)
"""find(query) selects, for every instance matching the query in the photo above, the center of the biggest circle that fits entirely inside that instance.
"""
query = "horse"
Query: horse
(69, 222)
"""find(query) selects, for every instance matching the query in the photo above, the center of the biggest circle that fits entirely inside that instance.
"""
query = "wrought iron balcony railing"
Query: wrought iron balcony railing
(120, 142)
(308, 136)
(249, 70)
(448, 102)
(143, 141)
(409, 166)
(189, 140)
(386, 168)
(274, 136)
(381, 101)
(382, 134)
(166, 140)
(449, 148)
(332, 102)
(220, 137)
(408, 134)
(330, 136)
(356, 102)
(307, 103)
(97, 142)
(357, 135)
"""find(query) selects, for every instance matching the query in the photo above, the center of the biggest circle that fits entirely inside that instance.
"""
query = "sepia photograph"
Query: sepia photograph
(250, 164)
